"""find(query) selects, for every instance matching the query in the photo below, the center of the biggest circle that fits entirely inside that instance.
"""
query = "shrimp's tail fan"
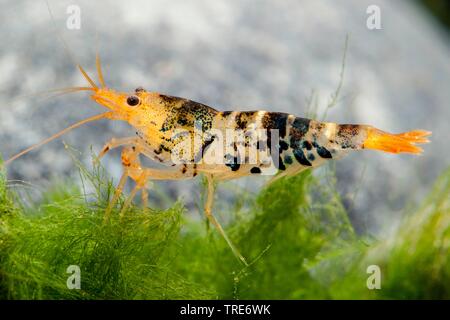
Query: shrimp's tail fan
(405, 142)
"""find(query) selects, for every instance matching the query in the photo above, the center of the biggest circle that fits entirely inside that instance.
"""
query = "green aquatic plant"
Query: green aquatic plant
(295, 233)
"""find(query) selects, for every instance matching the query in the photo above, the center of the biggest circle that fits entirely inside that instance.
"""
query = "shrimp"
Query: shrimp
(221, 145)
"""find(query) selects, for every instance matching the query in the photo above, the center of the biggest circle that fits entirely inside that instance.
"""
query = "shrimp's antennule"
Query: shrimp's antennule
(99, 70)
(86, 76)
(57, 135)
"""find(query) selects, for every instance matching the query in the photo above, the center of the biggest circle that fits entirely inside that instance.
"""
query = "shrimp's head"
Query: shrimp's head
(120, 104)
(140, 108)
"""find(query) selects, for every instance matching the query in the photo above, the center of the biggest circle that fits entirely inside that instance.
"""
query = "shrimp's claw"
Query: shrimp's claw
(396, 143)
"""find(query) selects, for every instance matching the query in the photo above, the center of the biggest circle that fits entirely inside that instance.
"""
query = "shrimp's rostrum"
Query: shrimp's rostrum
(164, 122)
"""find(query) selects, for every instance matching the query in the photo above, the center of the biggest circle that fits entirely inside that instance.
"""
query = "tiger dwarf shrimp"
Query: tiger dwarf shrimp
(190, 138)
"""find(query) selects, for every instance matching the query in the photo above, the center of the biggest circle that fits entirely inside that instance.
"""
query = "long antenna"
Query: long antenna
(99, 70)
(87, 77)
(66, 48)
(98, 63)
(57, 135)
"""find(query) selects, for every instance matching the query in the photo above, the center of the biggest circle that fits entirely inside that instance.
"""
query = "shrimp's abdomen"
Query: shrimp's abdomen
(294, 143)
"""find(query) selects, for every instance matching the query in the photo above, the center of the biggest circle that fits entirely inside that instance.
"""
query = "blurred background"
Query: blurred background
(236, 55)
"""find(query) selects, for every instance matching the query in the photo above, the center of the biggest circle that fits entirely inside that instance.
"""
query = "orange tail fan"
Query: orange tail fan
(396, 143)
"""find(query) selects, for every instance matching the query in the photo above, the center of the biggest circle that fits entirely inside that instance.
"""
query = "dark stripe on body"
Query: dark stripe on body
(275, 120)
(243, 119)
(297, 132)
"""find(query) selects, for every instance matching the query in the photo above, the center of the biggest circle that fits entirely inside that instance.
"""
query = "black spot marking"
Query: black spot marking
(158, 151)
(301, 125)
(283, 145)
(191, 112)
(288, 159)
(307, 145)
(182, 121)
(169, 100)
(281, 165)
(299, 128)
(300, 157)
(139, 90)
(324, 153)
(311, 157)
(233, 166)
(255, 170)
(232, 162)
(184, 169)
(163, 147)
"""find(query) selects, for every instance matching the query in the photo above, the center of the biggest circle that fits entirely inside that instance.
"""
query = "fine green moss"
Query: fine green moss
(295, 233)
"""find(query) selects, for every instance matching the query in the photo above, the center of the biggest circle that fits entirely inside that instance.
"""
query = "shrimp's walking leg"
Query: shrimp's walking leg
(213, 220)
(144, 197)
(132, 168)
(129, 199)
(141, 175)
(114, 143)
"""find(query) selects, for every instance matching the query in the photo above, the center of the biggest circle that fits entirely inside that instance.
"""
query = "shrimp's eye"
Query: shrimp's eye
(132, 101)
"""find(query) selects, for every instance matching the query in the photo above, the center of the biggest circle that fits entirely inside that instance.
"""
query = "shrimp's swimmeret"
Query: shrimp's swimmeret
(164, 122)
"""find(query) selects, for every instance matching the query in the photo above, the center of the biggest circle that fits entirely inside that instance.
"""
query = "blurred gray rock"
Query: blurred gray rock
(235, 55)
